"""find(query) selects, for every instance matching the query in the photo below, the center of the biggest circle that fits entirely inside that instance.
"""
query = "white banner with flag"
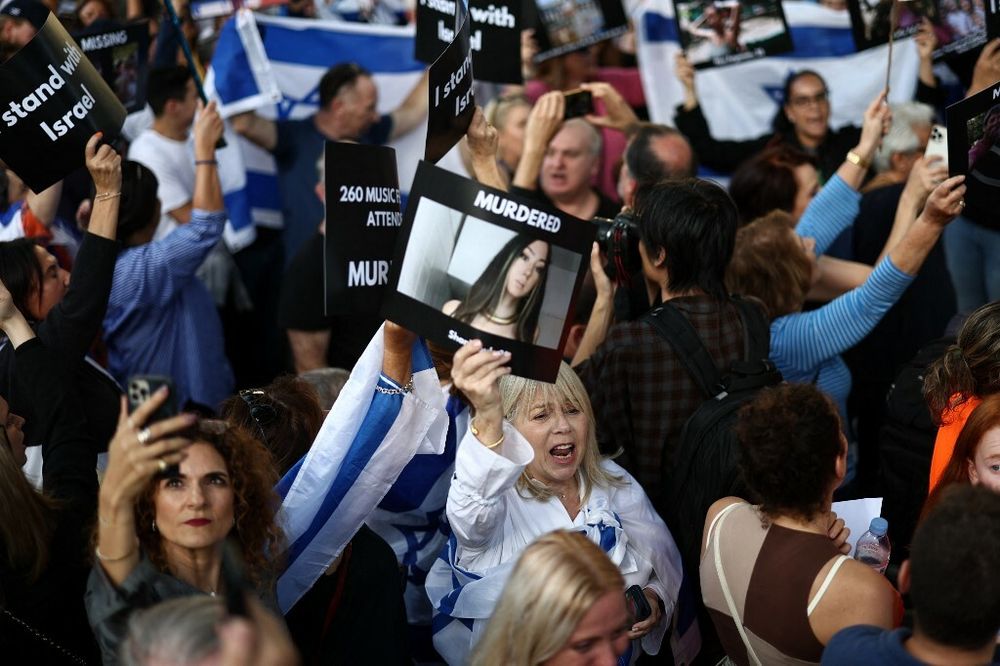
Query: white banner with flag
(740, 100)
(293, 54)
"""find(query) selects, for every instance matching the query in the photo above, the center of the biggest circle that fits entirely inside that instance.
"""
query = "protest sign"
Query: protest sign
(208, 9)
(52, 100)
(569, 25)
(974, 150)
(959, 25)
(722, 32)
(495, 35)
(475, 262)
(119, 54)
(992, 19)
(362, 222)
(452, 102)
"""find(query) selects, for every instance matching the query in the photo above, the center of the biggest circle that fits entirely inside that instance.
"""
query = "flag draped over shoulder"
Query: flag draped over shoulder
(365, 442)
(278, 76)
(740, 100)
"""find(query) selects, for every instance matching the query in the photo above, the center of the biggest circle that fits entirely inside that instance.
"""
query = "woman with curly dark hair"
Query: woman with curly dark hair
(775, 575)
(956, 383)
(172, 494)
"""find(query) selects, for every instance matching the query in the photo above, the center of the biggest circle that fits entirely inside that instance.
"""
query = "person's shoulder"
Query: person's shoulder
(848, 644)
(450, 306)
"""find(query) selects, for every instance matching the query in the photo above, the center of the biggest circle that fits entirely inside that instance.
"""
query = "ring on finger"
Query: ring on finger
(143, 436)
(961, 203)
(161, 464)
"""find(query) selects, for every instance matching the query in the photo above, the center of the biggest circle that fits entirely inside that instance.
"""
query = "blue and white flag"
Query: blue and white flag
(293, 55)
(365, 442)
(740, 100)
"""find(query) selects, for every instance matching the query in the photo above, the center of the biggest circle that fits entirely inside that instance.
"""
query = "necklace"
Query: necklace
(502, 321)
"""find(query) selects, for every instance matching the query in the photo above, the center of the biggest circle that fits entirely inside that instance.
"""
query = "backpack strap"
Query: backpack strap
(756, 330)
(668, 321)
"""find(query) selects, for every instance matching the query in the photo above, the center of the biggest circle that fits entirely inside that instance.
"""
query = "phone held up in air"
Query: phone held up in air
(638, 605)
(141, 388)
(937, 145)
(578, 103)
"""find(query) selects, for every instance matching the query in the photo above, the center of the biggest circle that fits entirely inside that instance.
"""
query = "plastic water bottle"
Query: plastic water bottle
(873, 546)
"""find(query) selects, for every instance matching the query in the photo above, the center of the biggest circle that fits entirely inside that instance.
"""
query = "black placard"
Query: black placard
(568, 25)
(362, 222)
(476, 252)
(120, 55)
(52, 100)
(722, 32)
(974, 150)
(495, 35)
(452, 102)
(959, 25)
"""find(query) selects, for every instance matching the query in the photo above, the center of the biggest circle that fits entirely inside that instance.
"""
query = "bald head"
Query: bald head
(572, 159)
(654, 154)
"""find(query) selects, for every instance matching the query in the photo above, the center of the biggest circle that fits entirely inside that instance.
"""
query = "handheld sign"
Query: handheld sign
(974, 150)
(495, 35)
(723, 32)
(452, 103)
(569, 25)
(475, 262)
(959, 27)
(362, 222)
(52, 100)
(120, 54)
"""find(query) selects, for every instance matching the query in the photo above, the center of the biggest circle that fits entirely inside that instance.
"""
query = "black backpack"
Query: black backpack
(705, 465)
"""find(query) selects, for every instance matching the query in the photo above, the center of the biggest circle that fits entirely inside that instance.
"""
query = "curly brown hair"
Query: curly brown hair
(969, 368)
(253, 475)
(770, 264)
(789, 440)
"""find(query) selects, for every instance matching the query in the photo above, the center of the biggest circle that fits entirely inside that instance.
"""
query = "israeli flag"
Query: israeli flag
(365, 442)
(740, 100)
(276, 72)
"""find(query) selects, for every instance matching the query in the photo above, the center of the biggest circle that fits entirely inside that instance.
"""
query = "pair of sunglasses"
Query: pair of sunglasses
(261, 410)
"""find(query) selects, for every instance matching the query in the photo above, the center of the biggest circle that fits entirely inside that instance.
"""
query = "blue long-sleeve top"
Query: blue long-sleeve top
(831, 212)
(806, 346)
(161, 318)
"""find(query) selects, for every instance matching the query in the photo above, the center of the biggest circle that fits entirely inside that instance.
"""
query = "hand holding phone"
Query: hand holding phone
(578, 103)
(638, 605)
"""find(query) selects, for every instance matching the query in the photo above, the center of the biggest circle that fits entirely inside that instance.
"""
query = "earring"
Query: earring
(154, 524)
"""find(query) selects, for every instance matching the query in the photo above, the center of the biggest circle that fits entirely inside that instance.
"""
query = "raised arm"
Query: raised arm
(481, 138)
(256, 129)
(44, 204)
(105, 166)
(413, 110)
(492, 454)
(543, 122)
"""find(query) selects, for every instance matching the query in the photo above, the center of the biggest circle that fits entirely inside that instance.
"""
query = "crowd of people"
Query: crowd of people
(303, 486)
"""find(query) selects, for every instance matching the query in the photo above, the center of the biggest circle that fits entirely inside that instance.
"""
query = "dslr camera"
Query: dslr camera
(619, 240)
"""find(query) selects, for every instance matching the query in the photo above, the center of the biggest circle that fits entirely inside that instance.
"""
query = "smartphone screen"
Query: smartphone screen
(578, 103)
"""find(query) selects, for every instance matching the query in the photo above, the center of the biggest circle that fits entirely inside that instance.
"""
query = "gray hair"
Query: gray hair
(179, 631)
(595, 141)
(901, 138)
(328, 383)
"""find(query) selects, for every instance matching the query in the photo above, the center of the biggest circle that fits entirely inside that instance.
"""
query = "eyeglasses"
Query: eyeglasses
(261, 412)
(804, 101)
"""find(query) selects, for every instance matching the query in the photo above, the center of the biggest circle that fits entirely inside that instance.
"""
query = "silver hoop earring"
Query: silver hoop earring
(154, 524)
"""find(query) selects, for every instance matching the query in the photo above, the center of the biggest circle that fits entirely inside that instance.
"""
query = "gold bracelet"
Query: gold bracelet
(104, 196)
(104, 558)
(475, 431)
(857, 160)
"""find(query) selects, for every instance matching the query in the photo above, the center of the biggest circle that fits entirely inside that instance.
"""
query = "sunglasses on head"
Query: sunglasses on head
(261, 410)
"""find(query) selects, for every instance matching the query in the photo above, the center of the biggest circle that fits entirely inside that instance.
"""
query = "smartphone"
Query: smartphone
(937, 145)
(142, 387)
(234, 579)
(638, 605)
(578, 103)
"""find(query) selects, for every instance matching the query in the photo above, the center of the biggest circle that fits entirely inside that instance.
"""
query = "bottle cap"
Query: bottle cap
(879, 526)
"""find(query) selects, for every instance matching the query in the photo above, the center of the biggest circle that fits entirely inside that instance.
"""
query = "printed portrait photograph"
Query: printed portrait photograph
(722, 31)
(489, 277)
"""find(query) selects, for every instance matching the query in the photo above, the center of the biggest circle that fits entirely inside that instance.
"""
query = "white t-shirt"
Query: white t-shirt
(172, 162)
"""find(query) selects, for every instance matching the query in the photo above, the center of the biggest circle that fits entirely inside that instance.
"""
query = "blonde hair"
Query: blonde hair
(25, 518)
(557, 579)
(517, 394)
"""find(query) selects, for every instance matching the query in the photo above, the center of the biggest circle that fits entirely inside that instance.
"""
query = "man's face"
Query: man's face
(569, 165)
(186, 108)
(17, 32)
(354, 107)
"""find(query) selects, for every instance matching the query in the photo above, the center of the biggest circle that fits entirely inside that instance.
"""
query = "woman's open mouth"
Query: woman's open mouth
(563, 453)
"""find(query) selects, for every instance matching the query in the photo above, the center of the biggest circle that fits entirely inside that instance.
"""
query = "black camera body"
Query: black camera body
(619, 240)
